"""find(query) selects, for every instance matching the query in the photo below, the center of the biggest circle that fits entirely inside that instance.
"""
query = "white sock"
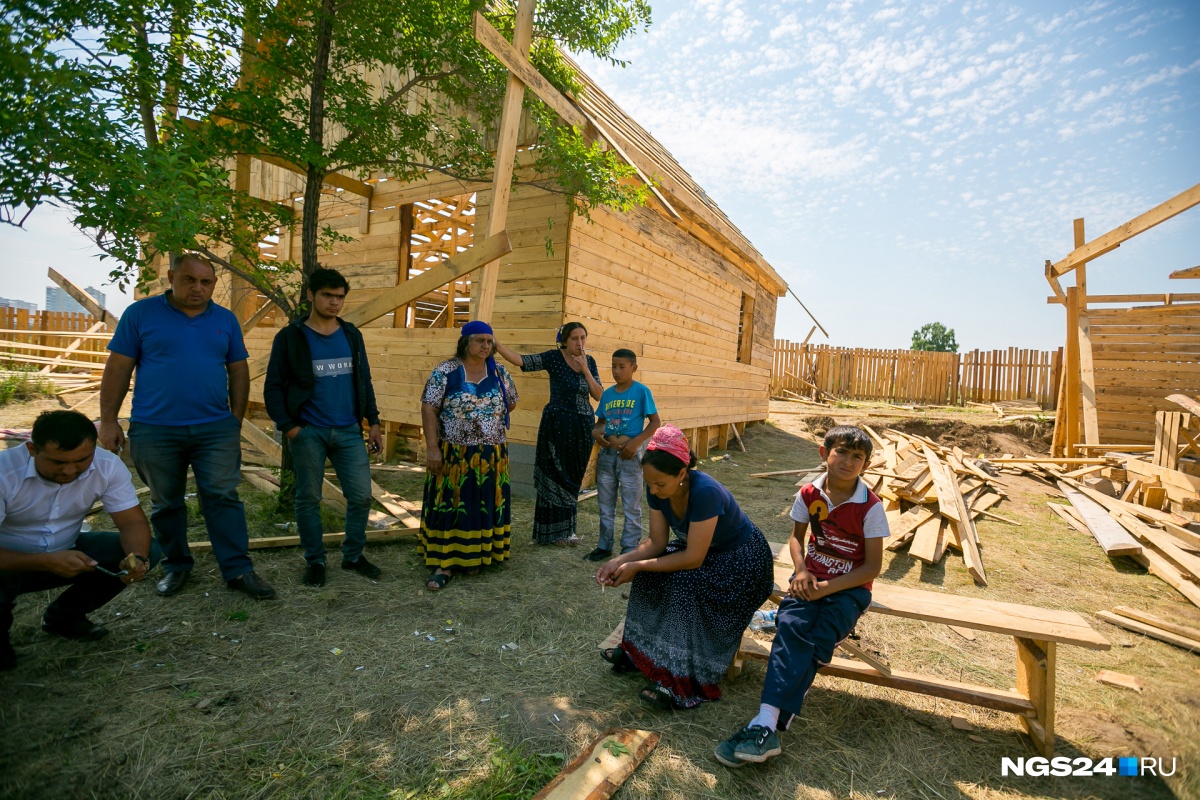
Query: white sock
(768, 717)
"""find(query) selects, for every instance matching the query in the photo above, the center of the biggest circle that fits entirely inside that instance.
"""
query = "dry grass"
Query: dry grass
(206, 695)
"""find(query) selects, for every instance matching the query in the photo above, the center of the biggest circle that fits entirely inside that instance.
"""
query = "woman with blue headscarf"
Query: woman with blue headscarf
(465, 518)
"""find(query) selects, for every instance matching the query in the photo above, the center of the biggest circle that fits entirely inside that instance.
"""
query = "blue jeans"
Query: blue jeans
(613, 471)
(88, 590)
(162, 454)
(807, 633)
(347, 452)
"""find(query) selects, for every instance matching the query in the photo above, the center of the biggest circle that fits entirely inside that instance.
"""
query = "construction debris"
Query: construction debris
(1154, 627)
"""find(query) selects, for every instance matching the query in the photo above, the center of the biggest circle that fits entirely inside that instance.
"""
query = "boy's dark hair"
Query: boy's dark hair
(326, 278)
(67, 429)
(565, 332)
(849, 436)
(626, 354)
(666, 463)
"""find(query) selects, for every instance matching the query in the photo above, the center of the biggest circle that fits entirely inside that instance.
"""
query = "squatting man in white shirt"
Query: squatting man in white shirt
(47, 488)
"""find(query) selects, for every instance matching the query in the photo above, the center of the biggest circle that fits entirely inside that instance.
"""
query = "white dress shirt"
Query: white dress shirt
(41, 516)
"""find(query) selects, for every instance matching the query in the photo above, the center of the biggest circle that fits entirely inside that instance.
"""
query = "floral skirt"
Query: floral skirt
(465, 516)
(682, 629)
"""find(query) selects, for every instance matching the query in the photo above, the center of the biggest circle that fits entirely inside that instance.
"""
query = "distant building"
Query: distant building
(58, 300)
(19, 304)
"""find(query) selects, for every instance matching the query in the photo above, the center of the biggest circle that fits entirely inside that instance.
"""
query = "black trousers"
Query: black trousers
(86, 592)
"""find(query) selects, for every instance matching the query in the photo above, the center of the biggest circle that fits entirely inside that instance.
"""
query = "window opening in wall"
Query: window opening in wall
(438, 229)
(746, 329)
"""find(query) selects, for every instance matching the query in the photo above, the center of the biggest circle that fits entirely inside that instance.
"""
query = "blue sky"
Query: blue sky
(905, 162)
(897, 162)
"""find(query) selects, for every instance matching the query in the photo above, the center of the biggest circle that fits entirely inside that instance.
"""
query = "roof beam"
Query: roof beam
(1114, 238)
(1190, 272)
(519, 66)
(84, 299)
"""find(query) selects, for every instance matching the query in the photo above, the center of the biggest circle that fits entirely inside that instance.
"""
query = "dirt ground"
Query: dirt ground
(381, 689)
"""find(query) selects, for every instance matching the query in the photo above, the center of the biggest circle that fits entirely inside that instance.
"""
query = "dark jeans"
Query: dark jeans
(162, 454)
(806, 636)
(347, 452)
(88, 590)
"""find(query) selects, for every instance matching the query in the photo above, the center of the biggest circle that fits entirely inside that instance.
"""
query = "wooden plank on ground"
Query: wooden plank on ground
(1158, 622)
(268, 542)
(1114, 539)
(1153, 631)
(600, 769)
(1120, 680)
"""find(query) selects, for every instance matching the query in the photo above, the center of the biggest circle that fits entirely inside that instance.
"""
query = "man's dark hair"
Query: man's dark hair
(849, 436)
(67, 429)
(326, 278)
(565, 332)
(626, 354)
(668, 464)
(177, 262)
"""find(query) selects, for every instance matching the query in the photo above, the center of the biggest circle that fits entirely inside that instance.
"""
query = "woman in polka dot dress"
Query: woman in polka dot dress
(690, 599)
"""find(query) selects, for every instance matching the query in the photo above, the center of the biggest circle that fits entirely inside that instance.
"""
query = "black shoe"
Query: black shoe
(8, 657)
(363, 567)
(314, 574)
(173, 583)
(79, 628)
(254, 586)
(598, 555)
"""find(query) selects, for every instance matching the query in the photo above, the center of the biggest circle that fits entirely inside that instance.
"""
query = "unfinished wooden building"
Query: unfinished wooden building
(1125, 354)
(675, 281)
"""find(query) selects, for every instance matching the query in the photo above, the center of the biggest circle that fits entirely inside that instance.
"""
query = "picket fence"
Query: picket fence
(34, 339)
(916, 376)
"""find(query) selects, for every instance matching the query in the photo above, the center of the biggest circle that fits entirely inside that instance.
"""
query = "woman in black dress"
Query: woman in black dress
(564, 440)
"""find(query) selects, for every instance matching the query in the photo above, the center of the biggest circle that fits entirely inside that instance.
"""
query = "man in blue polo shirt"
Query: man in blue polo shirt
(193, 385)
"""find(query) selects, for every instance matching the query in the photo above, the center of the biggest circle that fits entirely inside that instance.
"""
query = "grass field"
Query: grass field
(340, 692)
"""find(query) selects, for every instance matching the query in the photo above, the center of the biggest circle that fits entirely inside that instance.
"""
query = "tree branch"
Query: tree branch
(258, 281)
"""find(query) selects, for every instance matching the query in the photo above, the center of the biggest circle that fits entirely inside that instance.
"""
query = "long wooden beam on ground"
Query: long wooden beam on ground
(1123, 233)
(268, 542)
(1113, 538)
(1153, 631)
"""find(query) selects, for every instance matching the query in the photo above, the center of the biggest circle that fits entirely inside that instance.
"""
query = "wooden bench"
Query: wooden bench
(1036, 632)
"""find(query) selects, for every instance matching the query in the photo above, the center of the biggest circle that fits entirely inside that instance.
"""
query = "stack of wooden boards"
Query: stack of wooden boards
(932, 496)
(1159, 540)
(1149, 625)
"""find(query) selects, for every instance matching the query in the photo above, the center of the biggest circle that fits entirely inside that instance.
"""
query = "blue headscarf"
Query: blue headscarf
(474, 328)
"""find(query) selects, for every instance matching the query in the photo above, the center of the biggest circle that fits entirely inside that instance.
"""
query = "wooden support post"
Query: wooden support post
(1035, 680)
(1072, 400)
(484, 300)
(702, 442)
(723, 436)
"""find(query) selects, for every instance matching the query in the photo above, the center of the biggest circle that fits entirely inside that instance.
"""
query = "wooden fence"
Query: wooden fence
(915, 376)
(40, 339)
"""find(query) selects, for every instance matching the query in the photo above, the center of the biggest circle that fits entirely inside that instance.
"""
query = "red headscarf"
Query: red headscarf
(670, 439)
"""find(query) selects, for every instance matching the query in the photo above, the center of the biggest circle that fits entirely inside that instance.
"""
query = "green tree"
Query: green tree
(132, 114)
(936, 337)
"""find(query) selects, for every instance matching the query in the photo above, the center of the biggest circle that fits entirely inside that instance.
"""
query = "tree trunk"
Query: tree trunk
(315, 173)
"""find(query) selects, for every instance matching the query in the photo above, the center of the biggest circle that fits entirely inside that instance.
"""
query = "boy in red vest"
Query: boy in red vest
(829, 592)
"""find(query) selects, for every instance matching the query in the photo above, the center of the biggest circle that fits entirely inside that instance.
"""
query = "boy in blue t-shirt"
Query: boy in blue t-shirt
(621, 430)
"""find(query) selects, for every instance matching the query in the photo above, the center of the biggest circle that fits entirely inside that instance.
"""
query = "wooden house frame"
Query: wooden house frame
(675, 281)
(1124, 353)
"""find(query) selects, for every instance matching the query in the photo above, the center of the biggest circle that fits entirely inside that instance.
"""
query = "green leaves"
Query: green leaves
(134, 114)
(935, 336)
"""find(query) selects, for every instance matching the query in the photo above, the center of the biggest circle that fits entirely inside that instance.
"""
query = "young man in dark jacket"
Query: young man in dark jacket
(317, 391)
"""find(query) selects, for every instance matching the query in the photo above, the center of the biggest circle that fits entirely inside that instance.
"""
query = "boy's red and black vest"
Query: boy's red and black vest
(836, 544)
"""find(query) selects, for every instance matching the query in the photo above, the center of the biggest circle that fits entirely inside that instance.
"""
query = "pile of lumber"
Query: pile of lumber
(1159, 540)
(932, 496)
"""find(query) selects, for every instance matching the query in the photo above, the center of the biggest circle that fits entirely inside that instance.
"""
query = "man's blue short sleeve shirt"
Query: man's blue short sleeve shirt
(181, 361)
